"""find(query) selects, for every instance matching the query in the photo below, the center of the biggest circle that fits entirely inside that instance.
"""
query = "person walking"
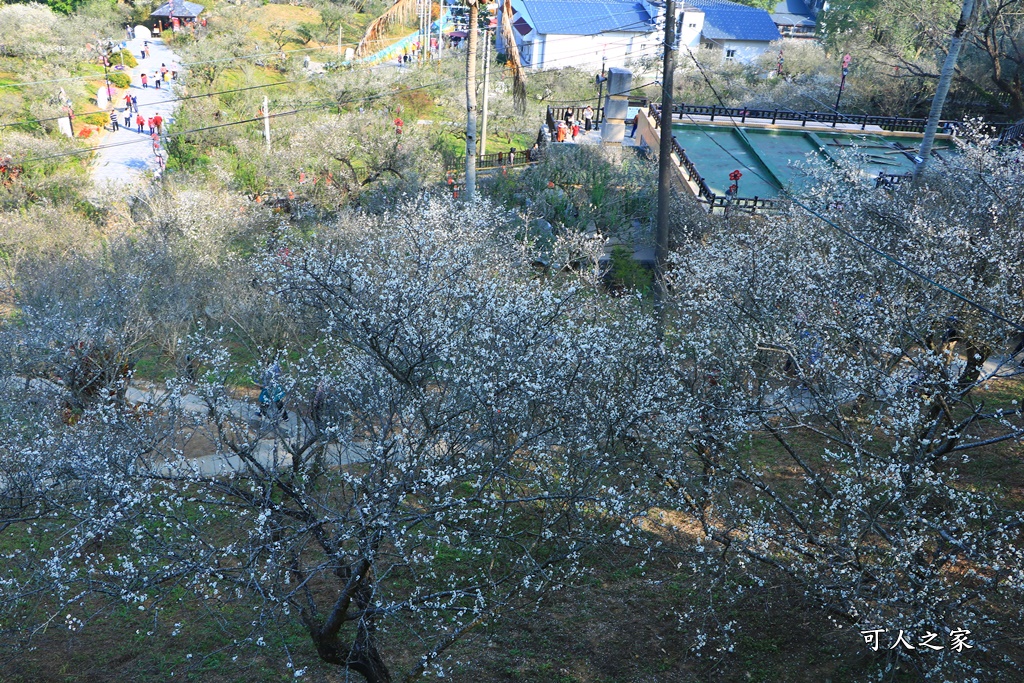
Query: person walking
(145, 81)
(135, 104)
(139, 121)
(113, 120)
(575, 130)
(163, 72)
(158, 122)
(149, 122)
(128, 100)
(636, 122)
(157, 80)
(588, 118)
(128, 118)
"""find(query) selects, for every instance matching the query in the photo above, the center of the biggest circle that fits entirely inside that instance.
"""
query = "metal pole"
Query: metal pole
(664, 170)
(266, 120)
(600, 89)
(487, 80)
(340, 26)
(842, 82)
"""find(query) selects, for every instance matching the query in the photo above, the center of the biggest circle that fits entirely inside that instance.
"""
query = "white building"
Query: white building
(740, 32)
(589, 34)
(552, 34)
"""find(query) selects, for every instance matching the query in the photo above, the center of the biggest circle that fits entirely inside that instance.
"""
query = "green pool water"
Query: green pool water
(770, 158)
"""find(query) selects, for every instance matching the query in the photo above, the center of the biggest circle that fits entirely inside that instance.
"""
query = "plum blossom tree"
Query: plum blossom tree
(842, 401)
(461, 443)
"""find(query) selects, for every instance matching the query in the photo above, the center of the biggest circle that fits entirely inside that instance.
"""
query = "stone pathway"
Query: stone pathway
(131, 155)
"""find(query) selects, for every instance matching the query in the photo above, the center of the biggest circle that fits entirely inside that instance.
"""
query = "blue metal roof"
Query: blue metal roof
(725, 20)
(587, 17)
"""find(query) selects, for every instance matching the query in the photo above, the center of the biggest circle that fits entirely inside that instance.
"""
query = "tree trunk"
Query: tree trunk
(945, 80)
(474, 10)
(664, 170)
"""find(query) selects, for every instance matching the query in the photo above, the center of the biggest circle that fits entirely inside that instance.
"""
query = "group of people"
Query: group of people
(569, 128)
(161, 75)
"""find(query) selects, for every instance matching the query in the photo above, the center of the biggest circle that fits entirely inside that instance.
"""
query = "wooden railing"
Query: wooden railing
(1011, 133)
(558, 114)
(518, 157)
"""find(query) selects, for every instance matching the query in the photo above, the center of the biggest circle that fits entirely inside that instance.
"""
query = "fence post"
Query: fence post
(864, 123)
(775, 115)
(803, 119)
(712, 112)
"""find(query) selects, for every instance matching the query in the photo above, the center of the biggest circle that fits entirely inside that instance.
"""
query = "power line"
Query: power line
(913, 271)
(156, 104)
(325, 105)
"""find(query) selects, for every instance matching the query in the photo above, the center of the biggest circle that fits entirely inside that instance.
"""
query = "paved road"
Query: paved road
(126, 164)
(269, 451)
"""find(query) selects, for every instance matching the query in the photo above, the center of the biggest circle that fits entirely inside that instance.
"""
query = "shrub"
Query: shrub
(119, 79)
(85, 132)
(124, 57)
(97, 118)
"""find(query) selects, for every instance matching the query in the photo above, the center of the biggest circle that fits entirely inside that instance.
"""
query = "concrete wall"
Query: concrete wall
(647, 134)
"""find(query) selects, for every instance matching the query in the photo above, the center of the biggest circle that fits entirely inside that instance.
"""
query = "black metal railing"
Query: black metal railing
(704, 192)
(891, 123)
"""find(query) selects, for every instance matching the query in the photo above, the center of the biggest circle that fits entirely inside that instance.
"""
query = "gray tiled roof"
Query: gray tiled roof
(181, 9)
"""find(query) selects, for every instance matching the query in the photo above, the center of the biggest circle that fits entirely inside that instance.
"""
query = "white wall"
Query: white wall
(692, 24)
(556, 51)
(746, 50)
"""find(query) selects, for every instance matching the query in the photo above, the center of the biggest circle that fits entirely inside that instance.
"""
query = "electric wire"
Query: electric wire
(175, 134)
(910, 269)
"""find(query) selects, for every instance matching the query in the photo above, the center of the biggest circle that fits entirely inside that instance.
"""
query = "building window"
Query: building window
(693, 26)
(729, 54)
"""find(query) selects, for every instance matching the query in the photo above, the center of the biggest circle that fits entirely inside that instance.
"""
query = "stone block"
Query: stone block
(615, 110)
(619, 81)
(612, 133)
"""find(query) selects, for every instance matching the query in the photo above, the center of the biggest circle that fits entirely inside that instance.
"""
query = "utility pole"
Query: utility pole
(664, 170)
(945, 80)
(340, 27)
(266, 121)
(487, 81)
